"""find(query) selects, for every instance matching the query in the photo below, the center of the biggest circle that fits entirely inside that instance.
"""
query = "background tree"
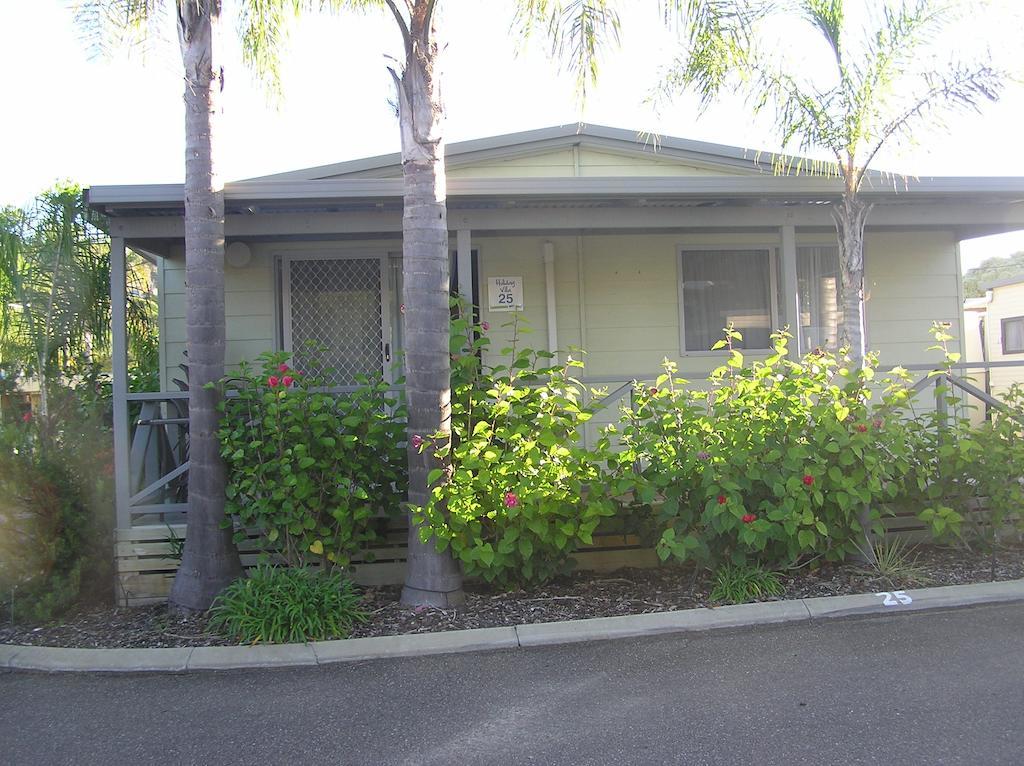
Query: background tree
(880, 84)
(55, 293)
(993, 270)
(209, 560)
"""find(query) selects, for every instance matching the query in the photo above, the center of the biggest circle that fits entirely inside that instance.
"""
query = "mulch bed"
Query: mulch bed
(579, 596)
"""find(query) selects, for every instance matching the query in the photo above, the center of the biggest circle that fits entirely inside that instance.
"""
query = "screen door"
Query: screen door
(334, 323)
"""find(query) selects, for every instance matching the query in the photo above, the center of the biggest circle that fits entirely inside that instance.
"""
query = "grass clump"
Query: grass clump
(738, 584)
(276, 605)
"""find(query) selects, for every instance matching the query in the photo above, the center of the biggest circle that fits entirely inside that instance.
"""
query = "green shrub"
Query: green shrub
(523, 492)
(773, 461)
(277, 605)
(56, 511)
(965, 482)
(310, 470)
(740, 583)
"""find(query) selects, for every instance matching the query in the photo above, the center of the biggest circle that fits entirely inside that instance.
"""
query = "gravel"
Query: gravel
(578, 596)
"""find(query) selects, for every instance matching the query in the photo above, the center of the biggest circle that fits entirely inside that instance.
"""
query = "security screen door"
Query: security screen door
(335, 321)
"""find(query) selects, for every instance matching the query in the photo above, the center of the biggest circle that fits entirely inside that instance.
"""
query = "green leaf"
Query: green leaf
(525, 547)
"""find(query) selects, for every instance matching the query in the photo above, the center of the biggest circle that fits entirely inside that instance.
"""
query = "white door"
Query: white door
(335, 323)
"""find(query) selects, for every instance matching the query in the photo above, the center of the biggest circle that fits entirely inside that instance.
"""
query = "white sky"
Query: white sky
(121, 120)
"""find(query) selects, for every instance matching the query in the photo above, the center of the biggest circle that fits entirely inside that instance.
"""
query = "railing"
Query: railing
(155, 486)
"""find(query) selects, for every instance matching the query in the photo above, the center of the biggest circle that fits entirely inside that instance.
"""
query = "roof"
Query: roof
(577, 134)
(1004, 282)
(747, 178)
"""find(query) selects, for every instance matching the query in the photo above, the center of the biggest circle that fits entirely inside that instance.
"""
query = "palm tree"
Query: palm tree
(209, 559)
(54, 283)
(877, 88)
(577, 30)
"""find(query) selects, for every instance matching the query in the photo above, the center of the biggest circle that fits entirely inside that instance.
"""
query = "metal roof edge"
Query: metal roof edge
(743, 186)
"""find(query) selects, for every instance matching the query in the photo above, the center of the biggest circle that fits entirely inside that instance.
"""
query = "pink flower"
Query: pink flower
(748, 518)
(722, 500)
(282, 367)
(27, 417)
(808, 480)
(861, 428)
(287, 380)
(416, 441)
(652, 391)
(702, 455)
(485, 326)
(878, 423)
(273, 381)
(511, 501)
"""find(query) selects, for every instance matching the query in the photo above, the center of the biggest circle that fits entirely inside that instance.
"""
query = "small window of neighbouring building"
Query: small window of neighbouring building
(1013, 335)
(818, 282)
(722, 287)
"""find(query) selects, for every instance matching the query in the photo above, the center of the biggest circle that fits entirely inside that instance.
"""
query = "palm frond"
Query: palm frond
(962, 88)
(579, 32)
(110, 25)
(827, 17)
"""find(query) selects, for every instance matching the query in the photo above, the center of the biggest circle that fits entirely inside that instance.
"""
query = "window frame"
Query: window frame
(1002, 334)
(772, 251)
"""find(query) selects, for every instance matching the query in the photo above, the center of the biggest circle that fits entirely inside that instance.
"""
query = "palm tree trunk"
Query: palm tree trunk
(209, 560)
(432, 578)
(850, 217)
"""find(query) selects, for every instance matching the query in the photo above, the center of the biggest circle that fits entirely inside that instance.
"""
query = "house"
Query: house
(994, 333)
(633, 251)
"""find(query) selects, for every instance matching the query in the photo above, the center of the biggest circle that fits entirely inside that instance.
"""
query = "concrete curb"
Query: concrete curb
(44, 658)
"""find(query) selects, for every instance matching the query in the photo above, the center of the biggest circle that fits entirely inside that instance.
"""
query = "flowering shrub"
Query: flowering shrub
(310, 470)
(775, 460)
(966, 479)
(522, 492)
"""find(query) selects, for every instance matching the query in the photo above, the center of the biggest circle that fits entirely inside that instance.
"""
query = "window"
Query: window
(818, 283)
(1013, 335)
(722, 287)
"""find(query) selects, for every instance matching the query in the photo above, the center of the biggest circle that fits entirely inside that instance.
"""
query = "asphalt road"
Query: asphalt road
(918, 688)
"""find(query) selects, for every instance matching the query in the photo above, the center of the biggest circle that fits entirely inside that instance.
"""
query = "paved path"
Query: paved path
(924, 688)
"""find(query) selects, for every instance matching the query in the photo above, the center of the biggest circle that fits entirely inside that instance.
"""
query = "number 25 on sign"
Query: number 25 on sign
(895, 598)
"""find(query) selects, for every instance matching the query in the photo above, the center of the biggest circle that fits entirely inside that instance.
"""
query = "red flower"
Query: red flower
(416, 441)
(287, 380)
(749, 517)
(722, 500)
(808, 480)
(282, 367)
(485, 326)
(652, 391)
(273, 381)
(511, 501)
(861, 427)
(27, 417)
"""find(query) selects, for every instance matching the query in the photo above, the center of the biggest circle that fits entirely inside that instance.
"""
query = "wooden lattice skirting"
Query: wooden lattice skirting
(145, 564)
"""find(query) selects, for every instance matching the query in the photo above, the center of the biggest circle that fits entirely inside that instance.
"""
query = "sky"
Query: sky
(118, 119)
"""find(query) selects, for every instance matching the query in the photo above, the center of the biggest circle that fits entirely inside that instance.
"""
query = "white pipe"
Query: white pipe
(549, 278)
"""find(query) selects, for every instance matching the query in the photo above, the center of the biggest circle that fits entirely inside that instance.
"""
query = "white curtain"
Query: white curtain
(723, 287)
(818, 278)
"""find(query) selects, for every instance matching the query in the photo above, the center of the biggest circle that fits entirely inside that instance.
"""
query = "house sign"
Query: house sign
(505, 293)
